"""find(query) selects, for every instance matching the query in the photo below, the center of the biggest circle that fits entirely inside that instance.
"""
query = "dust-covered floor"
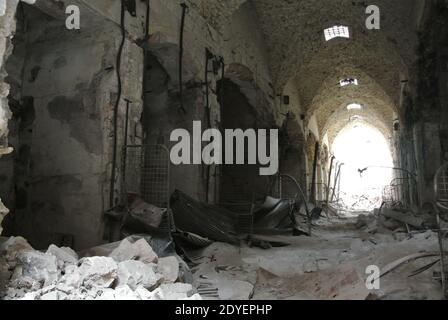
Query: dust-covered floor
(331, 264)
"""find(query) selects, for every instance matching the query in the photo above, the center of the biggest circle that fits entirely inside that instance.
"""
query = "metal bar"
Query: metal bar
(181, 56)
(329, 179)
(117, 106)
(336, 181)
(126, 132)
(313, 184)
(303, 196)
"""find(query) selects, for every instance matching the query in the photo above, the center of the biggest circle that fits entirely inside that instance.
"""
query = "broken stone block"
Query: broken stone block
(145, 294)
(26, 283)
(169, 268)
(13, 247)
(144, 252)
(72, 277)
(98, 272)
(62, 296)
(175, 291)
(140, 250)
(51, 293)
(125, 293)
(135, 273)
(125, 251)
(14, 294)
(30, 296)
(63, 255)
(51, 296)
(79, 294)
(39, 266)
(62, 288)
(106, 294)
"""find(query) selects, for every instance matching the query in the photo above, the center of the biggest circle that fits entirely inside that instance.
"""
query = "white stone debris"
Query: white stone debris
(169, 268)
(98, 272)
(136, 273)
(130, 272)
(39, 266)
(12, 248)
(140, 250)
(144, 252)
(175, 291)
(65, 256)
(125, 251)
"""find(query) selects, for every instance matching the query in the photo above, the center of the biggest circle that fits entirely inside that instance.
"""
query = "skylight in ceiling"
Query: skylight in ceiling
(354, 106)
(336, 32)
(347, 82)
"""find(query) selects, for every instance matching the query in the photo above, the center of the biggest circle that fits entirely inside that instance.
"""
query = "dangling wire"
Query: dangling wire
(116, 107)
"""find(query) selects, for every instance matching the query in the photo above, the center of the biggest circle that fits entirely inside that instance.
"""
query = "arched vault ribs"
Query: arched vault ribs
(331, 104)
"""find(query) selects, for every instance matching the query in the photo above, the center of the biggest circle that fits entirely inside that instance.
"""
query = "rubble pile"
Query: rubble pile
(395, 220)
(131, 271)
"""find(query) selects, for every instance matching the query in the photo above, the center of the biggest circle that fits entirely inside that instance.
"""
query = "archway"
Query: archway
(367, 169)
(243, 106)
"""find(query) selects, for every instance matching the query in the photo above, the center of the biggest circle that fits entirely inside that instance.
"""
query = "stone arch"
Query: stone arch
(293, 158)
(243, 106)
(162, 112)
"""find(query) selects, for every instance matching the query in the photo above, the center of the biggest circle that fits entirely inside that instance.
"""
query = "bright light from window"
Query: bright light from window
(336, 32)
(347, 82)
(358, 147)
(354, 106)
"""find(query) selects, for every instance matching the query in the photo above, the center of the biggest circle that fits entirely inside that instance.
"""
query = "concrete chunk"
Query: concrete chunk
(13, 247)
(66, 255)
(125, 251)
(52, 296)
(72, 277)
(145, 294)
(144, 252)
(135, 273)
(39, 266)
(169, 268)
(106, 294)
(175, 291)
(125, 293)
(140, 250)
(98, 272)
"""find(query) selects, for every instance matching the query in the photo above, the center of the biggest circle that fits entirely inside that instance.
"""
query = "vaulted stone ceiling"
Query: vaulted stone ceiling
(218, 12)
(379, 59)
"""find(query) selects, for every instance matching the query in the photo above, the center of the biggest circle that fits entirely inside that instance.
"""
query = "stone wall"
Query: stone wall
(424, 114)
(63, 151)
(56, 182)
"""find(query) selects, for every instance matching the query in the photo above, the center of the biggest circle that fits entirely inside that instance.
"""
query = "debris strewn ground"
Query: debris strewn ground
(330, 265)
(131, 271)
